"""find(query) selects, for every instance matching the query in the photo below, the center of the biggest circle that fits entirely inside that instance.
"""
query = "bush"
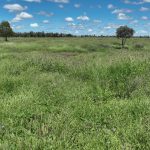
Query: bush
(138, 46)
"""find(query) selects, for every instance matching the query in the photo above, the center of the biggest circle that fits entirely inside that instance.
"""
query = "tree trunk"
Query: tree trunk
(6, 38)
(122, 43)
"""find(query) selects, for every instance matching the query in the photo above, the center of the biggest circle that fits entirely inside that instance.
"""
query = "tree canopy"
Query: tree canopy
(124, 32)
(5, 29)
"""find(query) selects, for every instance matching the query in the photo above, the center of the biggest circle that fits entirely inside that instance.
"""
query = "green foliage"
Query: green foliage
(124, 32)
(5, 30)
(74, 96)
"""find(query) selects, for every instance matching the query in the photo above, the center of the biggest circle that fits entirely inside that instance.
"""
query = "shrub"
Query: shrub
(138, 46)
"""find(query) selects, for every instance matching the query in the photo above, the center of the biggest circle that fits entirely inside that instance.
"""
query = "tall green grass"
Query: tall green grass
(74, 93)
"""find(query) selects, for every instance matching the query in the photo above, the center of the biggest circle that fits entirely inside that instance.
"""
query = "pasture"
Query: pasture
(74, 93)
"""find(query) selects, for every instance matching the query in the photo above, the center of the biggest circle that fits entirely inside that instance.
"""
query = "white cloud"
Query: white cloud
(69, 19)
(45, 21)
(111, 6)
(134, 22)
(44, 13)
(122, 16)
(135, 2)
(107, 27)
(61, 6)
(21, 16)
(33, 1)
(147, 1)
(144, 9)
(116, 11)
(76, 26)
(59, 1)
(142, 32)
(112, 26)
(34, 25)
(144, 18)
(83, 18)
(97, 21)
(77, 5)
(14, 7)
(71, 24)
(76, 32)
(90, 30)
(18, 27)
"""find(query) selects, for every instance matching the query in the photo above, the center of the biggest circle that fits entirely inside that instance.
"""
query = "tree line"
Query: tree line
(7, 31)
(123, 33)
(40, 34)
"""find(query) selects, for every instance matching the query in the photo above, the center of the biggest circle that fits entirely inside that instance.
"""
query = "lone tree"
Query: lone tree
(124, 32)
(5, 30)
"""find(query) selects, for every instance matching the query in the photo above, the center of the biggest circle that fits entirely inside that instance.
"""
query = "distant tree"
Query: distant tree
(41, 34)
(5, 30)
(124, 32)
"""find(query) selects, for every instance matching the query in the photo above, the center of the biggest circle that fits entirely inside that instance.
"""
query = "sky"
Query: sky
(78, 17)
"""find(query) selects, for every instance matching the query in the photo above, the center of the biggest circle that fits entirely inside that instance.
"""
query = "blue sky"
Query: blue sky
(77, 16)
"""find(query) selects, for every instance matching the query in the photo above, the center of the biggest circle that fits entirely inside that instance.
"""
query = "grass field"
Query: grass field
(74, 93)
